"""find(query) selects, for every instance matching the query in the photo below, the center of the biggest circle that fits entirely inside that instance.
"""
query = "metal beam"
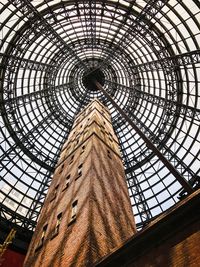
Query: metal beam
(184, 110)
(169, 154)
(184, 59)
(15, 217)
(25, 63)
(31, 12)
(34, 96)
(140, 26)
(149, 144)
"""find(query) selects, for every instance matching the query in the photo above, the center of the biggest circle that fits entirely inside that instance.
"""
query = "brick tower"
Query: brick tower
(87, 212)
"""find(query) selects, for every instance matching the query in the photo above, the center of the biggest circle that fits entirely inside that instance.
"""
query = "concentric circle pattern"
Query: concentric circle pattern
(146, 56)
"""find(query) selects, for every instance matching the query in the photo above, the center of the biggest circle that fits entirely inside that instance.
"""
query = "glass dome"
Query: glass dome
(146, 55)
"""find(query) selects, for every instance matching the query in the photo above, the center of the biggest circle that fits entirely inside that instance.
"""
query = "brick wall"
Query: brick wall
(171, 240)
(181, 250)
(104, 219)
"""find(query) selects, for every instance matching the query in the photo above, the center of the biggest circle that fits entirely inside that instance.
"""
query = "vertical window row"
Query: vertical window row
(79, 171)
(74, 209)
(61, 168)
(82, 149)
(109, 154)
(71, 159)
(55, 232)
(42, 237)
(55, 192)
(57, 226)
(67, 182)
(110, 137)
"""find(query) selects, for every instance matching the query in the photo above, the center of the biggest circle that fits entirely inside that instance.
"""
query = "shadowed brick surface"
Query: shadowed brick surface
(171, 240)
(103, 221)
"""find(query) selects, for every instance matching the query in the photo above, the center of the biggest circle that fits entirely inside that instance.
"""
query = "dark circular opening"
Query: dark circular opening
(89, 79)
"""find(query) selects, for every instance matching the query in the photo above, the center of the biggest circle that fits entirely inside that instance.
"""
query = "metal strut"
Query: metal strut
(7, 242)
(149, 144)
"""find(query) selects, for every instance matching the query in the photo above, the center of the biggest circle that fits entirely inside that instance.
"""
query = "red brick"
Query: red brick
(104, 218)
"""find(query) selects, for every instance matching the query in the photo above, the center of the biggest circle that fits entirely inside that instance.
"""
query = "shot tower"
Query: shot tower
(87, 213)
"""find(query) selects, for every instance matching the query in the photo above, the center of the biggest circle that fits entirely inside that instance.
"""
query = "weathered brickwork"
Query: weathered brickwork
(181, 250)
(87, 212)
(171, 240)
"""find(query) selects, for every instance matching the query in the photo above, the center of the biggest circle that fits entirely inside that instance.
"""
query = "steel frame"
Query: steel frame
(151, 64)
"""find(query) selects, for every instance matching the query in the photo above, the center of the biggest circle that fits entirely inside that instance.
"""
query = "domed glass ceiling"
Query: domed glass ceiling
(144, 53)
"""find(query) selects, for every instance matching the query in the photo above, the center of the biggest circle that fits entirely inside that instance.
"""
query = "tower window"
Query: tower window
(82, 149)
(42, 237)
(110, 137)
(80, 167)
(58, 222)
(109, 154)
(54, 193)
(73, 212)
(71, 159)
(61, 168)
(67, 181)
